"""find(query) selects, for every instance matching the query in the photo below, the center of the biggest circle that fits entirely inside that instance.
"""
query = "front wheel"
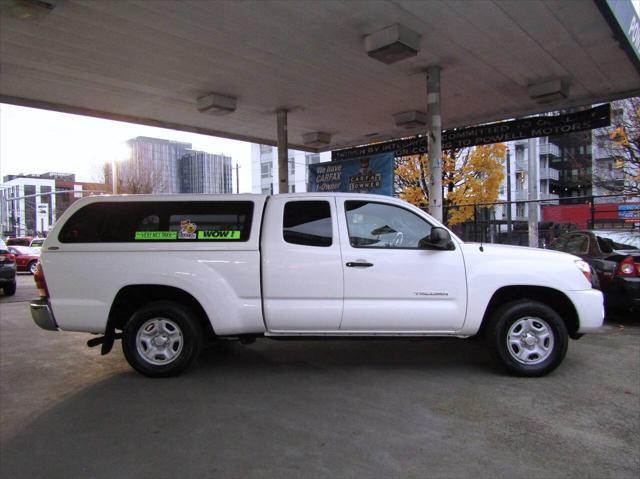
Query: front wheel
(528, 338)
(33, 266)
(162, 339)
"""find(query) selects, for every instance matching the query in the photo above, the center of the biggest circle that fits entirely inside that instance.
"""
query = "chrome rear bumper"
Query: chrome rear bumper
(42, 314)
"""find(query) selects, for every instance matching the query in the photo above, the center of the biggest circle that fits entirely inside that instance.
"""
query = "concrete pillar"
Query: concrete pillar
(532, 183)
(509, 225)
(435, 142)
(114, 178)
(283, 153)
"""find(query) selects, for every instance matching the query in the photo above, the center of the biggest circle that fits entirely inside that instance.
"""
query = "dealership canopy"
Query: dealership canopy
(151, 62)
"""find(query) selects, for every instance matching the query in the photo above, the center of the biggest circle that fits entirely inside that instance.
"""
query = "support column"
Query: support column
(532, 183)
(114, 178)
(435, 142)
(283, 153)
(509, 224)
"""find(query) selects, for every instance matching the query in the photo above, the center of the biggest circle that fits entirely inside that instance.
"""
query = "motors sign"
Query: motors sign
(527, 128)
(412, 146)
(534, 127)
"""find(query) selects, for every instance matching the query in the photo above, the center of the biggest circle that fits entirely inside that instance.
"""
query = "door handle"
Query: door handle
(351, 264)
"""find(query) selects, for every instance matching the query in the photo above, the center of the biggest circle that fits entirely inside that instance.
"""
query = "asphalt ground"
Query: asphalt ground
(314, 409)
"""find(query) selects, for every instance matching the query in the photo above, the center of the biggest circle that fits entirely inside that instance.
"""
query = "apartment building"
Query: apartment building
(264, 168)
(30, 204)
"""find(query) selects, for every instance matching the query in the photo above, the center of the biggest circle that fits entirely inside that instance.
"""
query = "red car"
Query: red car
(26, 258)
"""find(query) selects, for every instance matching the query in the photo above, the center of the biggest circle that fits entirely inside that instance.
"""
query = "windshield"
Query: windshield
(612, 240)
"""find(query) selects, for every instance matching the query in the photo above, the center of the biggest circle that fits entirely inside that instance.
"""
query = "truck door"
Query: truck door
(302, 280)
(389, 283)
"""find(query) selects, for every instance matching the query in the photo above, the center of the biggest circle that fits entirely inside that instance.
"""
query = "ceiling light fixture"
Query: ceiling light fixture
(410, 119)
(316, 139)
(549, 91)
(216, 104)
(392, 44)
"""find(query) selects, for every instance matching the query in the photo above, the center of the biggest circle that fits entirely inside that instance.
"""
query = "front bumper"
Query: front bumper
(589, 305)
(7, 274)
(42, 314)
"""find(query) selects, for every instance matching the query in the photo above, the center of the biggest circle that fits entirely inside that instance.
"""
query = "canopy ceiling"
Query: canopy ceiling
(148, 62)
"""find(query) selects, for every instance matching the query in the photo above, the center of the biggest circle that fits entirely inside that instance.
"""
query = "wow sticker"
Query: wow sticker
(219, 235)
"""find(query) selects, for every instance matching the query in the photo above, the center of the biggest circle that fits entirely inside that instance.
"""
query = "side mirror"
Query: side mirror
(439, 239)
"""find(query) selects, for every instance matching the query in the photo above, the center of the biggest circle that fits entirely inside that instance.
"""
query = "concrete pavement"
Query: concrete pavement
(315, 409)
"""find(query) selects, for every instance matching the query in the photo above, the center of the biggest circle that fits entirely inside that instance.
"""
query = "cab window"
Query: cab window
(379, 225)
(307, 223)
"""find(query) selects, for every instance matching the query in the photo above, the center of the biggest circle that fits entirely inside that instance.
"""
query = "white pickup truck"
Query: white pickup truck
(165, 273)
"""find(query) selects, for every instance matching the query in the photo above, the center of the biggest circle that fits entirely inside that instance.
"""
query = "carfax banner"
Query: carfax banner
(369, 174)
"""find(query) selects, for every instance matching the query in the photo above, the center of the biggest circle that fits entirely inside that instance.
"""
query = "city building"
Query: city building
(30, 204)
(206, 173)
(264, 168)
(571, 168)
(549, 188)
(153, 162)
(163, 166)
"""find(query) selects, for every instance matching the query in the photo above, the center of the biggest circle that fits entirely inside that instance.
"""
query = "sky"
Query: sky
(39, 141)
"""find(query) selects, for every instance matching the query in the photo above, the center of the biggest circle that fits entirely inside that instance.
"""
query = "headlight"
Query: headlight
(585, 268)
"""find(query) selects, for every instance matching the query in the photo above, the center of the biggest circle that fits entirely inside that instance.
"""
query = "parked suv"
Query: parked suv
(7, 270)
(36, 243)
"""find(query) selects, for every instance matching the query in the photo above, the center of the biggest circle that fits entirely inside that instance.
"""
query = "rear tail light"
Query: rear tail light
(627, 267)
(41, 284)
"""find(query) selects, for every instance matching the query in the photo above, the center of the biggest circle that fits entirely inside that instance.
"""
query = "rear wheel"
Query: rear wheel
(162, 339)
(528, 338)
(9, 289)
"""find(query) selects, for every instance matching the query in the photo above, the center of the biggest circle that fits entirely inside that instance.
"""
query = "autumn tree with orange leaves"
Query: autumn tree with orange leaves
(470, 176)
(623, 146)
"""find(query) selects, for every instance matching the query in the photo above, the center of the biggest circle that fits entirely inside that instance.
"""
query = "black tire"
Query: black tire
(171, 323)
(32, 267)
(9, 289)
(531, 321)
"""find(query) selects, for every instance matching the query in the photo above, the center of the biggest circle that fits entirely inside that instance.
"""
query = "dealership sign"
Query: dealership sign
(534, 127)
(368, 174)
(629, 212)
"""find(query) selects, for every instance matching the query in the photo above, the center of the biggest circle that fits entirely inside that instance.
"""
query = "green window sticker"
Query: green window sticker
(156, 235)
(219, 235)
